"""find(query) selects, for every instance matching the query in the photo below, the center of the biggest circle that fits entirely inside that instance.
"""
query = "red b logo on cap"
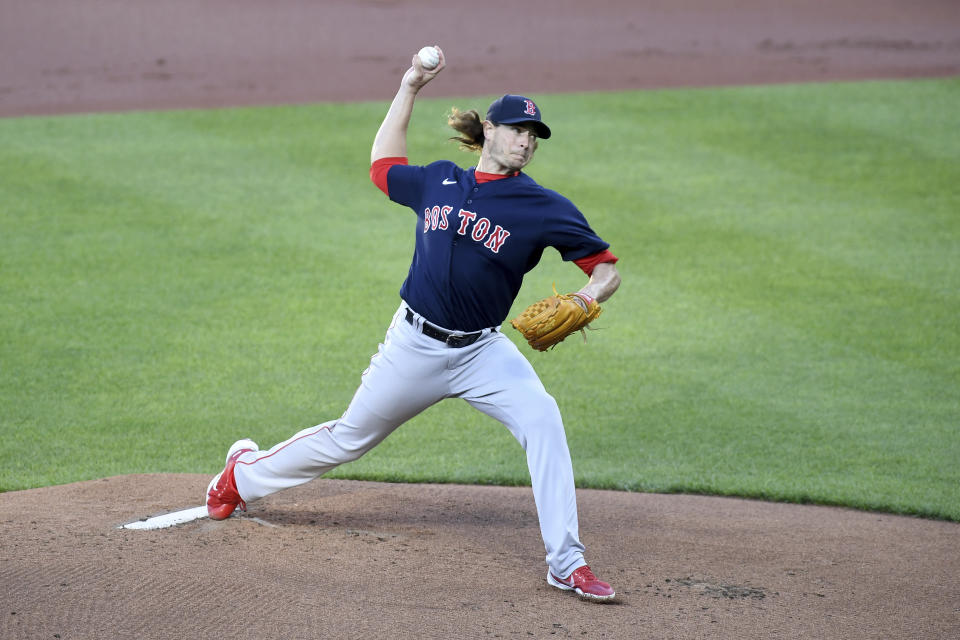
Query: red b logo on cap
(531, 109)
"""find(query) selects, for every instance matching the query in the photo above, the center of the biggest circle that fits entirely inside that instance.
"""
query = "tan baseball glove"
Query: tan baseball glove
(546, 323)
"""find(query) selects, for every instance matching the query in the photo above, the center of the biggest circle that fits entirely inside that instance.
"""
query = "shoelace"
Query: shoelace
(222, 494)
(585, 574)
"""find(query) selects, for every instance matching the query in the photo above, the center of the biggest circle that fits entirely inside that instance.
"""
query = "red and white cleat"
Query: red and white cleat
(585, 584)
(222, 495)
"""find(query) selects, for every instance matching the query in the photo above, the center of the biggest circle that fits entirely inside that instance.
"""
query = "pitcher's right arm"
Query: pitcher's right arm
(391, 138)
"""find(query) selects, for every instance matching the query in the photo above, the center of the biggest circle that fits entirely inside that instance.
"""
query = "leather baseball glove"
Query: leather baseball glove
(546, 323)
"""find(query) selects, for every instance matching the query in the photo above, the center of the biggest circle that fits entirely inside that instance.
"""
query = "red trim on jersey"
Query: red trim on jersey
(379, 169)
(490, 177)
(590, 263)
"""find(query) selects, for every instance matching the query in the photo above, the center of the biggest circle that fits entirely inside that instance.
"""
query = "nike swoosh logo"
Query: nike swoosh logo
(449, 181)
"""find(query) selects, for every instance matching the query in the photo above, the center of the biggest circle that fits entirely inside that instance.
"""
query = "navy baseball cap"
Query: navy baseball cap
(511, 109)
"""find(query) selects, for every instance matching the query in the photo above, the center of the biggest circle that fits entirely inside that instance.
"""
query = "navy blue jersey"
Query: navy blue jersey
(476, 241)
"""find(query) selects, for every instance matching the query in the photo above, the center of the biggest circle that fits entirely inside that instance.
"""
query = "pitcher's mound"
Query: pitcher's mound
(343, 559)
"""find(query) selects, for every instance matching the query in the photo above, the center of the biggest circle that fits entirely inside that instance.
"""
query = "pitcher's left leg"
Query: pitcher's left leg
(500, 382)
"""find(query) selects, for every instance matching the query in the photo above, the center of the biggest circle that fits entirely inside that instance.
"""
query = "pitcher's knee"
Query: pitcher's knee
(543, 406)
(541, 416)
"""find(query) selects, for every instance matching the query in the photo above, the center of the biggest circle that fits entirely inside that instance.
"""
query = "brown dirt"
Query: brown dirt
(359, 559)
(60, 56)
(342, 559)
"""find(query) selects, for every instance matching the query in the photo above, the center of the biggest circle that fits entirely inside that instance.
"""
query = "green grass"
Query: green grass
(787, 327)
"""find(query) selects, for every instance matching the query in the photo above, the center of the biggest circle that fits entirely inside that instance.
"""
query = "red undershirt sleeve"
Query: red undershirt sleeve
(589, 263)
(379, 170)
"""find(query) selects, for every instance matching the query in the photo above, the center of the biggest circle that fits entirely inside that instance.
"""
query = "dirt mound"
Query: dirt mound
(342, 559)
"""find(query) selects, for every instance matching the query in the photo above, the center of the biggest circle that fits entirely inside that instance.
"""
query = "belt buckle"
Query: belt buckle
(455, 341)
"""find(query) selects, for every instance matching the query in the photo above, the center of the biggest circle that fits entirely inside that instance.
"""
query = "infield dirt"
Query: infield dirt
(341, 559)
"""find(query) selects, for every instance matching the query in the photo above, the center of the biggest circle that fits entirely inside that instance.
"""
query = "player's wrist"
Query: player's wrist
(587, 298)
(583, 300)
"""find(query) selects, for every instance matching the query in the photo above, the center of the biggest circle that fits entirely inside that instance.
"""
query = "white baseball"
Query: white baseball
(429, 57)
